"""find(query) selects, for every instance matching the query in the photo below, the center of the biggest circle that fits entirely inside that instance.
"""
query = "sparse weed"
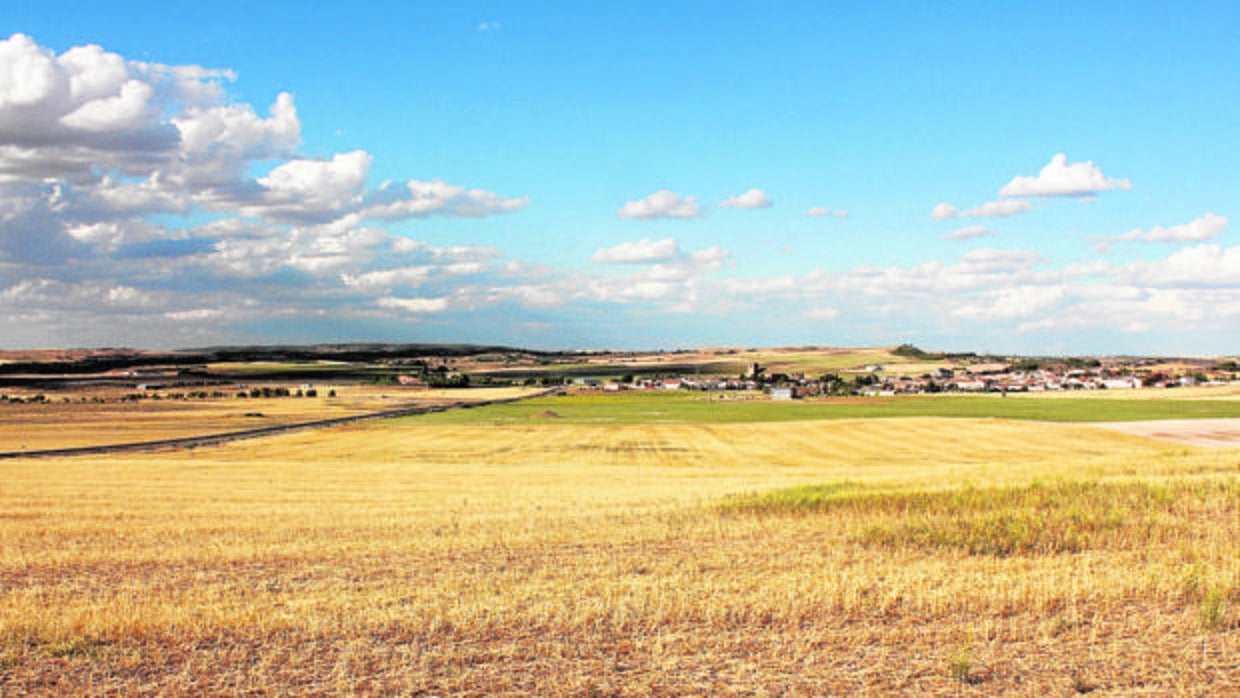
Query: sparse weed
(74, 647)
(1212, 608)
(1041, 518)
(960, 666)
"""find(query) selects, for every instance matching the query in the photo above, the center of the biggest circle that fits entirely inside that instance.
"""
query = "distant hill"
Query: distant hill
(87, 361)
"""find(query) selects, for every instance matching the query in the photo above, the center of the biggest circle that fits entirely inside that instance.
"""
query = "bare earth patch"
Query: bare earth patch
(1213, 433)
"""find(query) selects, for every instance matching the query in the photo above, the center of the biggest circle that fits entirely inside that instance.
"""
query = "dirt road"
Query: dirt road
(1214, 433)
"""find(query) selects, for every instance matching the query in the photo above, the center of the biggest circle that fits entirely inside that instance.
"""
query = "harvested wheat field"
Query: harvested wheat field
(1214, 433)
(69, 423)
(919, 556)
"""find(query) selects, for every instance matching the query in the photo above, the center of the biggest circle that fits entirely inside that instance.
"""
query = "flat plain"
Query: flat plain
(73, 420)
(678, 548)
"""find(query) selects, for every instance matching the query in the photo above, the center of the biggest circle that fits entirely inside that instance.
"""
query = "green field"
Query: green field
(684, 407)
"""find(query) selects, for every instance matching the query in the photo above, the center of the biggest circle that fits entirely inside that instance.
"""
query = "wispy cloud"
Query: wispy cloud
(969, 233)
(824, 211)
(991, 209)
(1201, 229)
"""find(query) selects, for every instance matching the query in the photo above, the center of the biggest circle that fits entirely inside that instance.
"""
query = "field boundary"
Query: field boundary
(230, 436)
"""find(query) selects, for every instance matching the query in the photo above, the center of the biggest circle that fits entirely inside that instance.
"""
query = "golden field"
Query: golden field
(69, 419)
(1200, 392)
(569, 559)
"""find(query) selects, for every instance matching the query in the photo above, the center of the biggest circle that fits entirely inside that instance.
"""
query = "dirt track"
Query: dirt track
(226, 437)
(1213, 433)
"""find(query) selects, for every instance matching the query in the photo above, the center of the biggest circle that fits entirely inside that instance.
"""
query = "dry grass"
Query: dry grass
(558, 559)
(58, 423)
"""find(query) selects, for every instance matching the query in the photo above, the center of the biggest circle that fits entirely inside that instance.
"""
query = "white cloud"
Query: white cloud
(1058, 178)
(1204, 228)
(92, 145)
(91, 107)
(534, 296)
(990, 209)
(754, 198)
(129, 109)
(642, 251)
(309, 188)
(195, 315)
(1207, 227)
(992, 259)
(824, 211)
(1008, 303)
(999, 209)
(103, 297)
(672, 285)
(97, 150)
(1198, 266)
(112, 196)
(689, 266)
(415, 199)
(220, 140)
(969, 232)
(943, 211)
(661, 204)
(416, 305)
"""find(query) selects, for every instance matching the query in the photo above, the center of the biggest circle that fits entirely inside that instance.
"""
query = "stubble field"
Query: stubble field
(915, 555)
(71, 420)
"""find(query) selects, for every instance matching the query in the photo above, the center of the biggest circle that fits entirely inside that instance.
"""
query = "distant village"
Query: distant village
(876, 380)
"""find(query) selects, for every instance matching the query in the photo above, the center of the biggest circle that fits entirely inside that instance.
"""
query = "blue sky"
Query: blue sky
(1050, 178)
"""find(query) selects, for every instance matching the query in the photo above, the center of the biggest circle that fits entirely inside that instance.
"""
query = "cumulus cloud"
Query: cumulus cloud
(97, 149)
(85, 97)
(140, 201)
(309, 188)
(119, 137)
(639, 252)
(219, 141)
(661, 204)
(824, 211)
(1059, 178)
(969, 233)
(754, 198)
